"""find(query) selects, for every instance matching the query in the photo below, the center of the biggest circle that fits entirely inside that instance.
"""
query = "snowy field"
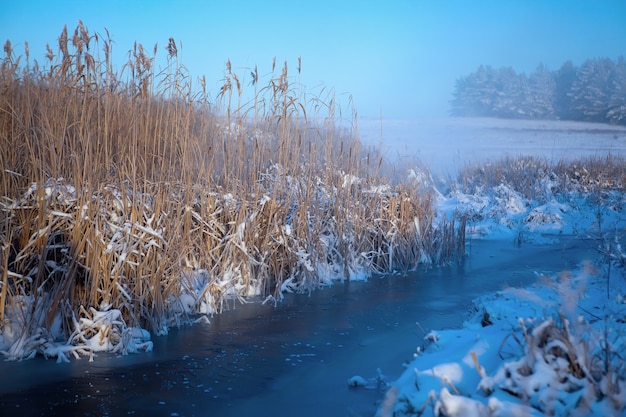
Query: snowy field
(556, 348)
(447, 144)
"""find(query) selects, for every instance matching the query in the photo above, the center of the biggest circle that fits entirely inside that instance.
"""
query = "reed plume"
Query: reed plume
(133, 191)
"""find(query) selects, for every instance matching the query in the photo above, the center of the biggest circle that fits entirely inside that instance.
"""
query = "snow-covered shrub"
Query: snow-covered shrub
(570, 362)
(537, 179)
(557, 357)
(25, 334)
(106, 331)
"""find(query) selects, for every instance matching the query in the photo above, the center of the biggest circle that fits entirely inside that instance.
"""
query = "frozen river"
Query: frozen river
(292, 359)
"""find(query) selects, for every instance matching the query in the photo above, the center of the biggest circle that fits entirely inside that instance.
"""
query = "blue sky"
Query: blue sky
(398, 57)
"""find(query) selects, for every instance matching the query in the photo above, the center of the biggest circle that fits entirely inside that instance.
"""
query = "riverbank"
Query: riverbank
(550, 348)
(146, 204)
(542, 213)
(258, 356)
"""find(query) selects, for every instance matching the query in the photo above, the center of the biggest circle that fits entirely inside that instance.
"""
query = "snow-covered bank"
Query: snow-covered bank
(555, 348)
(87, 272)
(147, 203)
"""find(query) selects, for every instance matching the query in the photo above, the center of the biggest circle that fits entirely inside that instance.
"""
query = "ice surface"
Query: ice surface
(528, 351)
(547, 349)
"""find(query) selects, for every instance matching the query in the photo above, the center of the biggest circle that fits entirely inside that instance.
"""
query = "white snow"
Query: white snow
(449, 143)
(556, 348)
(544, 352)
(549, 349)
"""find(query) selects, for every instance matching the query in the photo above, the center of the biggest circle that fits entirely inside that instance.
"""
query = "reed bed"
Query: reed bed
(133, 192)
(538, 178)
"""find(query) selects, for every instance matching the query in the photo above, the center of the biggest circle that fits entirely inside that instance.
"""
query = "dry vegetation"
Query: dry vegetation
(131, 189)
(537, 178)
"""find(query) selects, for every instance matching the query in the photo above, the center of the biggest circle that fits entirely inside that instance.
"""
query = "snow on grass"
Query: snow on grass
(556, 348)
(551, 349)
(502, 212)
(113, 261)
(99, 331)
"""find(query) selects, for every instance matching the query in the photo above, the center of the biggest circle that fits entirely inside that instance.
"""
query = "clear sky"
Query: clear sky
(398, 57)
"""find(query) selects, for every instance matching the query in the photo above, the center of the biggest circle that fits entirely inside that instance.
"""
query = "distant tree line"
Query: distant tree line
(595, 92)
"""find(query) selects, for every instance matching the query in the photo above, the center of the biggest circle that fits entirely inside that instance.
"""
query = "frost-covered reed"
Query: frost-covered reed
(131, 199)
(539, 178)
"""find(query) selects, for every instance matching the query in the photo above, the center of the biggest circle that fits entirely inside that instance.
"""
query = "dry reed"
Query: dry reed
(132, 190)
(534, 177)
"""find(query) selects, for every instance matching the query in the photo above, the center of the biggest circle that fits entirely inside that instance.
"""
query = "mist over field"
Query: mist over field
(281, 208)
(444, 145)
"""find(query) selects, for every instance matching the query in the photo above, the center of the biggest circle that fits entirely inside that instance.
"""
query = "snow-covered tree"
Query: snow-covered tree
(596, 92)
(541, 96)
(511, 91)
(474, 95)
(589, 92)
(563, 80)
(616, 113)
